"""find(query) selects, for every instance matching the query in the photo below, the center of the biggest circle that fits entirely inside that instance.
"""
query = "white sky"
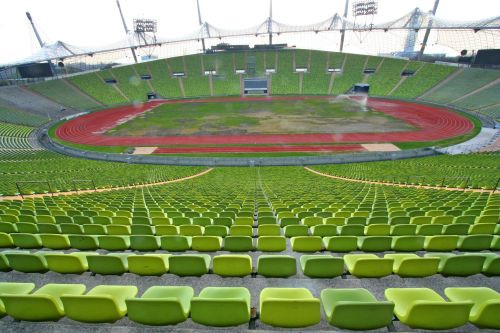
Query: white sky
(97, 22)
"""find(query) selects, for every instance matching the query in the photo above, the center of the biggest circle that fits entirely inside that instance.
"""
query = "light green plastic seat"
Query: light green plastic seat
(368, 265)
(206, 243)
(474, 242)
(148, 264)
(264, 220)
(110, 264)
(440, 243)
(84, 242)
(429, 229)
(271, 243)
(13, 288)
(377, 230)
(403, 230)
(238, 243)
(144, 242)
(166, 230)
(491, 265)
(94, 229)
(42, 305)
(424, 308)
(407, 243)
(482, 229)
(114, 242)
(340, 243)
(321, 266)
(6, 240)
(102, 304)
(488, 219)
(288, 221)
(456, 229)
(26, 241)
(411, 265)
(232, 265)
(216, 230)
(221, 306)
(276, 265)
(312, 221)
(486, 309)
(71, 228)
(306, 243)
(374, 243)
(248, 221)
(296, 230)
(289, 307)
(355, 309)
(161, 305)
(48, 228)
(191, 230)
(324, 230)
(337, 221)
(202, 221)
(189, 264)
(27, 262)
(178, 221)
(55, 242)
(458, 265)
(467, 219)
(241, 230)
(68, 263)
(175, 243)
(121, 230)
(268, 230)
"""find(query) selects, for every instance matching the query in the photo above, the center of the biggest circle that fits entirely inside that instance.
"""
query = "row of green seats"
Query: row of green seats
(357, 308)
(364, 265)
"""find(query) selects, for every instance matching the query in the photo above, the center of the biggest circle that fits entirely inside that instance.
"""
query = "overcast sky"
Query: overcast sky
(97, 22)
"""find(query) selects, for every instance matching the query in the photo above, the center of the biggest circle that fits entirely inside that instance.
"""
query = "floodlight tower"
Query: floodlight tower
(367, 9)
(428, 30)
(125, 28)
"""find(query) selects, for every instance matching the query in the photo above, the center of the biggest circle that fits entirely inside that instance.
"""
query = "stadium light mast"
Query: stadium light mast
(428, 30)
(342, 32)
(40, 41)
(125, 28)
(270, 22)
(201, 23)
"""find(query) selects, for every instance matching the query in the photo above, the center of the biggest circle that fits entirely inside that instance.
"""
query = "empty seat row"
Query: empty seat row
(354, 308)
(316, 266)
(246, 243)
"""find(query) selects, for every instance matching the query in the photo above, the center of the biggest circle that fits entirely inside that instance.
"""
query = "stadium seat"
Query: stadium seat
(491, 265)
(216, 230)
(407, 243)
(241, 230)
(221, 306)
(411, 265)
(340, 243)
(403, 230)
(289, 307)
(440, 243)
(175, 243)
(5, 240)
(161, 305)
(321, 266)
(324, 230)
(377, 230)
(110, 264)
(68, 263)
(102, 304)
(114, 242)
(42, 305)
(246, 221)
(148, 264)
(191, 230)
(458, 265)
(296, 230)
(271, 243)
(374, 243)
(474, 242)
(189, 264)
(238, 243)
(83, 242)
(232, 265)
(276, 266)
(55, 242)
(166, 230)
(486, 302)
(206, 243)
(26, 262)
(482, 229)
(306, 243)
(368, 265)
(268, 230)
(423, 308)
(355, 309)
(144, 242)
(13, 288)
(26, 241)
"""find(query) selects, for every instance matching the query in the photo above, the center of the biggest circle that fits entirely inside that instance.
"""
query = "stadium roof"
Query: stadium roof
(61, 50)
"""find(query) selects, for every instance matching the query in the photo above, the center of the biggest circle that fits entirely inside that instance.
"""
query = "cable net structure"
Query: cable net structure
(399, 37)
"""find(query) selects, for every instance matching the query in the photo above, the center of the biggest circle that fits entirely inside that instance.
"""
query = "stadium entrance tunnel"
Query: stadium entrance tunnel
(255, 86)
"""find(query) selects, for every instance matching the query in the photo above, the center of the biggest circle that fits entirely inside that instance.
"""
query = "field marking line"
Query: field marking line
(399, 185)
(18, 197)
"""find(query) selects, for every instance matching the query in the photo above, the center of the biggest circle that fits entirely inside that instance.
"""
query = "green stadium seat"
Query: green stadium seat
(482, 229)
(201, 221)
(224, 221)
(399, 220)
(26, 262)
(289, 307)
(355, 309)
(340, 243)
(8, 227)
(216, 230)
(456, 229)
(443, 219)
(491, 266)
(403, 230)
(13, 288)
(474, 242)
(141, 229)
(6, 240)
(321, 266)
(232, 265)
(166, 230)
(120, 230)
(148, 264)
(377, 230)
(296, 230)
(110, 264)
(71, 228)
(440, 243)
(484, 313)
(451, 264)
(312, 221)
(351, 230)
(175, 243)
(189, 264)
(238, 243)
(264, 220)
(374, 243)
(161, 305)
(494, 219)
(26, 241)
(206, 243)
(368, 265)
(306, 243)
(271, 243)
(289, 221)
(48, 228)
(411, 265)
(407, 243)
(144, 242)
(94, 229)
(26, 227)
(68, 263)
(337, 221)
(191, 230)
(269, 230)
(247, 221)
(324, 230)
(42, 305)
(114, 242)
(102, 304)
(55, 242)
(423, 308)
(429, 229)
(276, 266)
(221, 306)
(241, 230)
(84, 242)
(466, 219)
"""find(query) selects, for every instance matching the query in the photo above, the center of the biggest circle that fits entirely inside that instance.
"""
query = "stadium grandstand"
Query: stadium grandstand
(329, 176)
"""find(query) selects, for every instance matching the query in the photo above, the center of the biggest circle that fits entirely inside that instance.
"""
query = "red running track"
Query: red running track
(432, 123)
(257, 149)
